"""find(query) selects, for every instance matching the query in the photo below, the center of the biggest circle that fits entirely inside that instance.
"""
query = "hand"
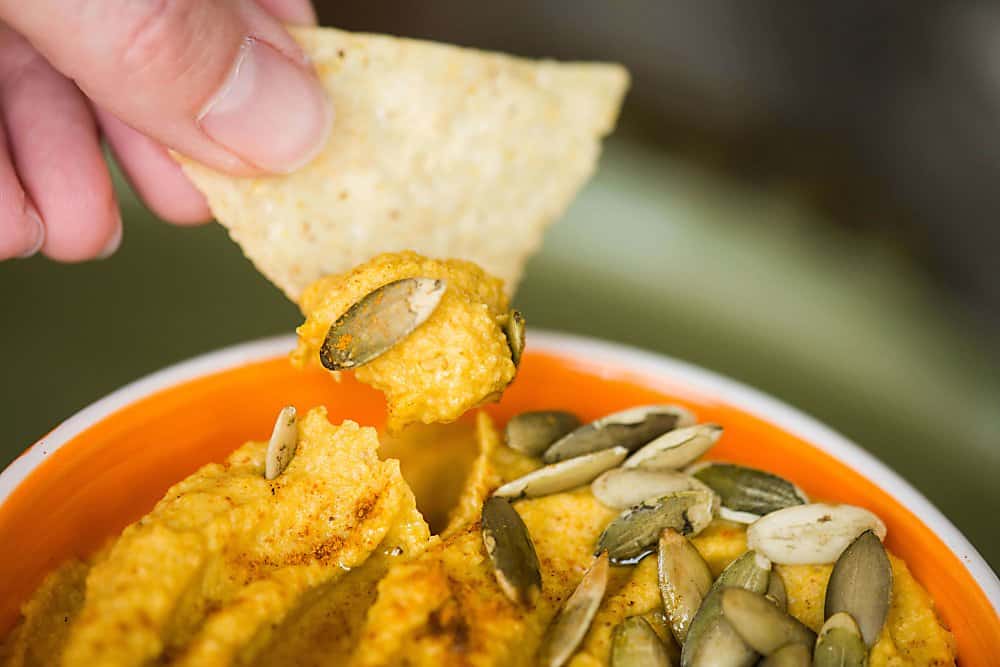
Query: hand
(219, 80)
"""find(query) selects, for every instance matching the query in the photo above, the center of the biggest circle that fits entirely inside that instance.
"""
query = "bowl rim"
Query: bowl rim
(571, 346)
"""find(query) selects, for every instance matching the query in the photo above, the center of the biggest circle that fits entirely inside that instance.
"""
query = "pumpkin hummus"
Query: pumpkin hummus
(333, 564)
(459, 358)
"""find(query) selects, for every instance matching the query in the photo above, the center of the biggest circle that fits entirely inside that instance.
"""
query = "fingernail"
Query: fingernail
(270, 111)
(114, 242)
(38, 229)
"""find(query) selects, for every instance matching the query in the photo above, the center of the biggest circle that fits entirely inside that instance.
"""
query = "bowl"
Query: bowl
(107, 465)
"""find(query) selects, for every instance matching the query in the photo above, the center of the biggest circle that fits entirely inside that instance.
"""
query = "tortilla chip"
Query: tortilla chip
(448, 151)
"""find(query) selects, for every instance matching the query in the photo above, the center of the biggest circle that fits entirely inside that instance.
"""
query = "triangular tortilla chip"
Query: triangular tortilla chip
(448, 151)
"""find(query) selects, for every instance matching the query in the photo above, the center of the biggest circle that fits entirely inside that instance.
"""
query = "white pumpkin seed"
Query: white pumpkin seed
(711, 640)
(676, 448)
(861, 585)
(378, 321)
(513, 329)
(511, 551)
(776, 592)
(810, 534)
(624, 487)
(633, 533)
(760, 623)
(573, 620)
(684, 579)
(840, 644)
(743, 489)
(635, 644)
(630, 429)
(562, 476)
(793, 655)
(746, 518)
(284, 441)
(532, 433)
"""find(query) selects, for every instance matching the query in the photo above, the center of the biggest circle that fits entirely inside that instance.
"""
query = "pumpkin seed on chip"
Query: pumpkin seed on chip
(810, 534)
(635, 644)
(760, 623)
(382, 318)
(861, 585)
(776, 591)
(283, 443)
(630, 429)
(840, 643)
(574, 618)
(711, 640)
(532, 433)
(620, 488)
(684, 579)
(793, 655)
(511, 551)
(676, 448)
(562, 476)
(633, 534)
(513, 329)
(743, 489)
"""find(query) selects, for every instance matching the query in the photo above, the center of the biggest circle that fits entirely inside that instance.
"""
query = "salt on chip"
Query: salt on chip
(448, 151)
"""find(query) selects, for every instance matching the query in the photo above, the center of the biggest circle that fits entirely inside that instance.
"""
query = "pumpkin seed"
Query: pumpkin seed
(562, 476)
(511, 551)
(630, 429)
(861, 585)
(619, 488)
(532, 433)
(284, 441)
(776, 592)
(711, 640)
(840, 644)
(677, 448)
(749, 490)
(513, 329)
(635, 644)
(793, 655)
(573, 620)
(810, 534)
(633, 533)
(684, 580)
(378, 321)
(759, 623)
(746, 518)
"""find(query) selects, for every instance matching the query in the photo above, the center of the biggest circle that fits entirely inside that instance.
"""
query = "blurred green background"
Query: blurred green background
(657, 252)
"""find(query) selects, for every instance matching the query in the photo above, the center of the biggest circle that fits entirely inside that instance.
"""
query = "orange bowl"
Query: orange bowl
(106, 466)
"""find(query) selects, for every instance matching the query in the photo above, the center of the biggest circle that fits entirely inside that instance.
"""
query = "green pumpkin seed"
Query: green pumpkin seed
(630, 429)
(635, 644)
(620, 488)
(532, 433)
(634, 533)
(513, 329)
(810, 534)
(749, 490)
(840, 644)
(511, 551)
(378, 321)
(793, 655)
(676, 449)
(573, 620)
(684, 579)
(284, 441)
(861, 585)
(711, 640)
(562, 476)
(776, 592)
(759, 623)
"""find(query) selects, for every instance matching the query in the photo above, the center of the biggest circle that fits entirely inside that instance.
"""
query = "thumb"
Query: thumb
(218, 80)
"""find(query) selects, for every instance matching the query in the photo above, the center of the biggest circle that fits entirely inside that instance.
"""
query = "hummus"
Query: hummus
(456, 360)
(332, 564)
